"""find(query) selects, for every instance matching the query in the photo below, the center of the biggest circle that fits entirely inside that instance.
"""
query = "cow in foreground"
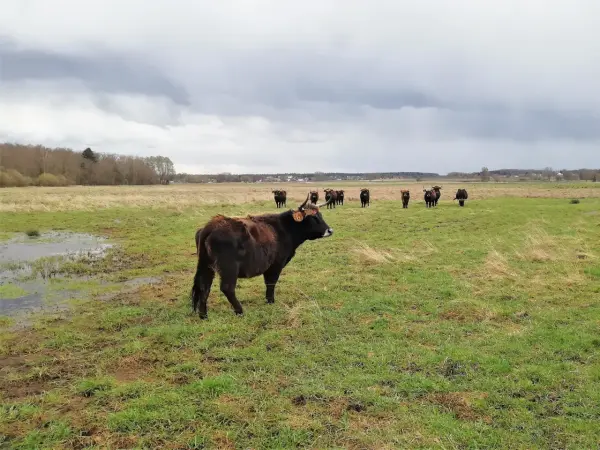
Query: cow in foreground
(314, 197)
(438, 194)
(405, 198)
(330, 194)
(340, 197)
(365, 197)
(280, 198)
(461, 196)
(429, 197)
(251, 246)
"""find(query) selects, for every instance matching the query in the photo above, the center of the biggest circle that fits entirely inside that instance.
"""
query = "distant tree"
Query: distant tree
(164, 168)
(89, 155)
(485, 174)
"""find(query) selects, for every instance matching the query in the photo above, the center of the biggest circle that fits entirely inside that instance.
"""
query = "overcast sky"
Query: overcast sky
(277, 85)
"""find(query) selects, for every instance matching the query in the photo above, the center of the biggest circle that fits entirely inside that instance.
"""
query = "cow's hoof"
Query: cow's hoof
(203, 316)
(270, 300)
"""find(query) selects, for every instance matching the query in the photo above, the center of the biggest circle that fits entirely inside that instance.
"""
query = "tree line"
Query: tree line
(547, 174)
(36, 165)
(313, 176)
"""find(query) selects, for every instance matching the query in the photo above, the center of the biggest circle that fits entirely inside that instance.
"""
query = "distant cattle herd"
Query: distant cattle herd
(431, 197)
(247, 247)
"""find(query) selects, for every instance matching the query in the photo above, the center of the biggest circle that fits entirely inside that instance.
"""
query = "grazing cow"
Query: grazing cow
(280, 198)
(438, 194)
(330, 194)
(461, 196)
(340, 197)
(429, 197)
(405, 197)
(314, 197)
(251, 246)
(364, 197)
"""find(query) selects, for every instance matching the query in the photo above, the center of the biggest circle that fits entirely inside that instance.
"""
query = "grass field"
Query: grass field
(475, 327)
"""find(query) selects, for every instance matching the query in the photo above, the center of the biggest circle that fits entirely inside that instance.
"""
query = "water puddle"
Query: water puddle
(23, 249)
(31, 278)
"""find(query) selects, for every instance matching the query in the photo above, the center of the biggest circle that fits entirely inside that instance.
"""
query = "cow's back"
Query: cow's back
(247, 244)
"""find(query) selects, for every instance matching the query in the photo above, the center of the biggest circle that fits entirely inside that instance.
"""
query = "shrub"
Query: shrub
(47, 179)
(19, 180)
(6, 180)
(574, 201)
(63, 181)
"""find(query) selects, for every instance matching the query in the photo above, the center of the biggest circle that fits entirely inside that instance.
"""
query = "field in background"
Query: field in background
(473, 327)
(182, 196)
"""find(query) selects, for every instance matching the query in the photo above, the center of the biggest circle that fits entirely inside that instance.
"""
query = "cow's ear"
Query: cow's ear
(298, 216)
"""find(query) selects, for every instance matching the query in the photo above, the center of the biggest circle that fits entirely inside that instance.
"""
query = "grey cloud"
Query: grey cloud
(101, 71)
(330, 87)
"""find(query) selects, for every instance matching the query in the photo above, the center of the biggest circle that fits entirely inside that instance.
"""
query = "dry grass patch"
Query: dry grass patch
(183, 196)
(540, 247)
(496, 267)
(459, 404)
(366, 254)
(304, 314)
(369, 255)
(467, 312)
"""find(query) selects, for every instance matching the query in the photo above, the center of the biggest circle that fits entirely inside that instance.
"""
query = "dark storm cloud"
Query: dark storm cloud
(298, 85)
(100, 71)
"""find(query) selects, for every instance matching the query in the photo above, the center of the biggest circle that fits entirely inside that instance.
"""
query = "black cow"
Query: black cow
(461, 196)
(340, 197)
(429, 197)
(330, 194)
(247, 247)
(438, 194)
(314, 197)
(405, 197)
(280, 198)
(365, 197)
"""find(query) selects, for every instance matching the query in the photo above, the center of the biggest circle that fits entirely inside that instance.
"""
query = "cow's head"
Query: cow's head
(405, 193)
(437, 188)
(309, 221)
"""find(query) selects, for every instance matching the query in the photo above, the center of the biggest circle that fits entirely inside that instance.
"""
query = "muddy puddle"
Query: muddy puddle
(31, 278)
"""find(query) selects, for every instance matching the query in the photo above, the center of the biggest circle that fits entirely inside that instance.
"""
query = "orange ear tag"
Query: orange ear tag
(298, 216)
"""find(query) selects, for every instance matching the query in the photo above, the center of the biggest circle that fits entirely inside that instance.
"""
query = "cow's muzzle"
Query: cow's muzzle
(328, 232)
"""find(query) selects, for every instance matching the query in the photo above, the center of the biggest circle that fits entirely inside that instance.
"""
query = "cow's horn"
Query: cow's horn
(305, 202)
(326, 203)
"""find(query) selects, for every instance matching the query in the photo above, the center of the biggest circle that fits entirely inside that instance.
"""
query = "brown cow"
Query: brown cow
(314, 197)
(280, 197)
(340, 197)
(330, 194)
(365, 197)
(461, 196)
(429, 197)
(438, 194)
(251, 246)
(405, 197)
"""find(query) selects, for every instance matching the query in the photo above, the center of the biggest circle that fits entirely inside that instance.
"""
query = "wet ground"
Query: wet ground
(30, 275)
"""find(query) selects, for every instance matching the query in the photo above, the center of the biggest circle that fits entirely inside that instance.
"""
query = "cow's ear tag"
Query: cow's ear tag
(298, 216)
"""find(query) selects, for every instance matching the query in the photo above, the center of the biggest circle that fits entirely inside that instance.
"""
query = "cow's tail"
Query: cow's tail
(201, 267)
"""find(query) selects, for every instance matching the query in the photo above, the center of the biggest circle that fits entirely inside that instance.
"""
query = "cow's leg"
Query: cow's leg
(271, 277)
(229, 276)
(202, 284)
